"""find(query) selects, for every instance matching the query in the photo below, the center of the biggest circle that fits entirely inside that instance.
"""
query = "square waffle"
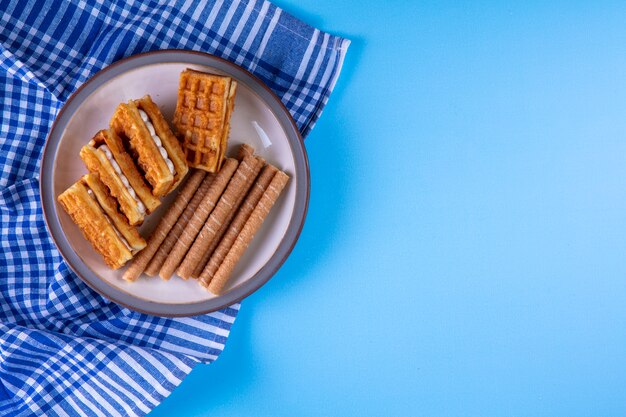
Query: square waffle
(202, 117)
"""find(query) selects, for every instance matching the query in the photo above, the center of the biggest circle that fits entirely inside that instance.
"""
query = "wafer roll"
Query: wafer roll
(226, 225)
(233, 230)
(172, 237)
(233, 211)
(199, 217)
(244, 150)
(167, 221)
(246, 235)
(246, 172)
(207, 255)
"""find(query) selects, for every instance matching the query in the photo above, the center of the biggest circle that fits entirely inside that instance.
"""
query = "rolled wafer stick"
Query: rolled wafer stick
(218, 254)
(160, 255)
(243, 151)
(253, 224)
(207, 254)
(246, 171)
(140, 261)
(198, 218)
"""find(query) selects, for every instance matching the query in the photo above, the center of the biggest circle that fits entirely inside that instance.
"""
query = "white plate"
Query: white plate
(259, 119)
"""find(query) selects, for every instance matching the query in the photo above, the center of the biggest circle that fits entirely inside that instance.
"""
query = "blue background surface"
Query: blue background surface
(464, 248)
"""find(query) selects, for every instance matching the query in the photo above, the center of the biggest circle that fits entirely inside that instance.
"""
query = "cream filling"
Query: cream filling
(157, 141)
(106, 216)
(107, 152)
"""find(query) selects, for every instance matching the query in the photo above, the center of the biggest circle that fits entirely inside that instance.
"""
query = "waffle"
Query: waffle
(202, 117)
(110, 173)
(168, 140)
(95, 213)
(124, 160)
(129, 126)
(110, 208)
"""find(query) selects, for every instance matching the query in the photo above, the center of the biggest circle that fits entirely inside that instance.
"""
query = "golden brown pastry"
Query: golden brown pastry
(150, 142)
(202, 117)
(95, 212)
(105, 156)
(170, 147)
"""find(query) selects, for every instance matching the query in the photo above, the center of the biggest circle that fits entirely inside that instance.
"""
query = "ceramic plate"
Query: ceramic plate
(259, 119)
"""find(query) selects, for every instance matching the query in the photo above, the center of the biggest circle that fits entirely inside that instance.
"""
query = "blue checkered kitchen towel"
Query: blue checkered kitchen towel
(64, 350)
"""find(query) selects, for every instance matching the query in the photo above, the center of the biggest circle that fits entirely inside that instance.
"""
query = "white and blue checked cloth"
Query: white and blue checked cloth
(64, 350)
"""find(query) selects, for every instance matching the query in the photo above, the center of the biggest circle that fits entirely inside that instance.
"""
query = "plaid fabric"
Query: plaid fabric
(64, 350)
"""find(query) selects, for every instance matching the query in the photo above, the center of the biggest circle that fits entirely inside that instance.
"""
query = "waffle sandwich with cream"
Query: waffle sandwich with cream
(147, 137)
(95, 212)
(105, 156)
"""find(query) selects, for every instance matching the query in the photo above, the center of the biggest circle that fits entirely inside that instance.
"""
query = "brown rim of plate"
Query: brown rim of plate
(241, 291)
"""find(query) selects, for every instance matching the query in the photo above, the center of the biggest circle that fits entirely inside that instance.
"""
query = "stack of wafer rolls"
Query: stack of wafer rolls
(240, 183)
(191, 230)
(212, 221)
(168, 243)
(244, 150)
(247, 220)
(162, 230)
